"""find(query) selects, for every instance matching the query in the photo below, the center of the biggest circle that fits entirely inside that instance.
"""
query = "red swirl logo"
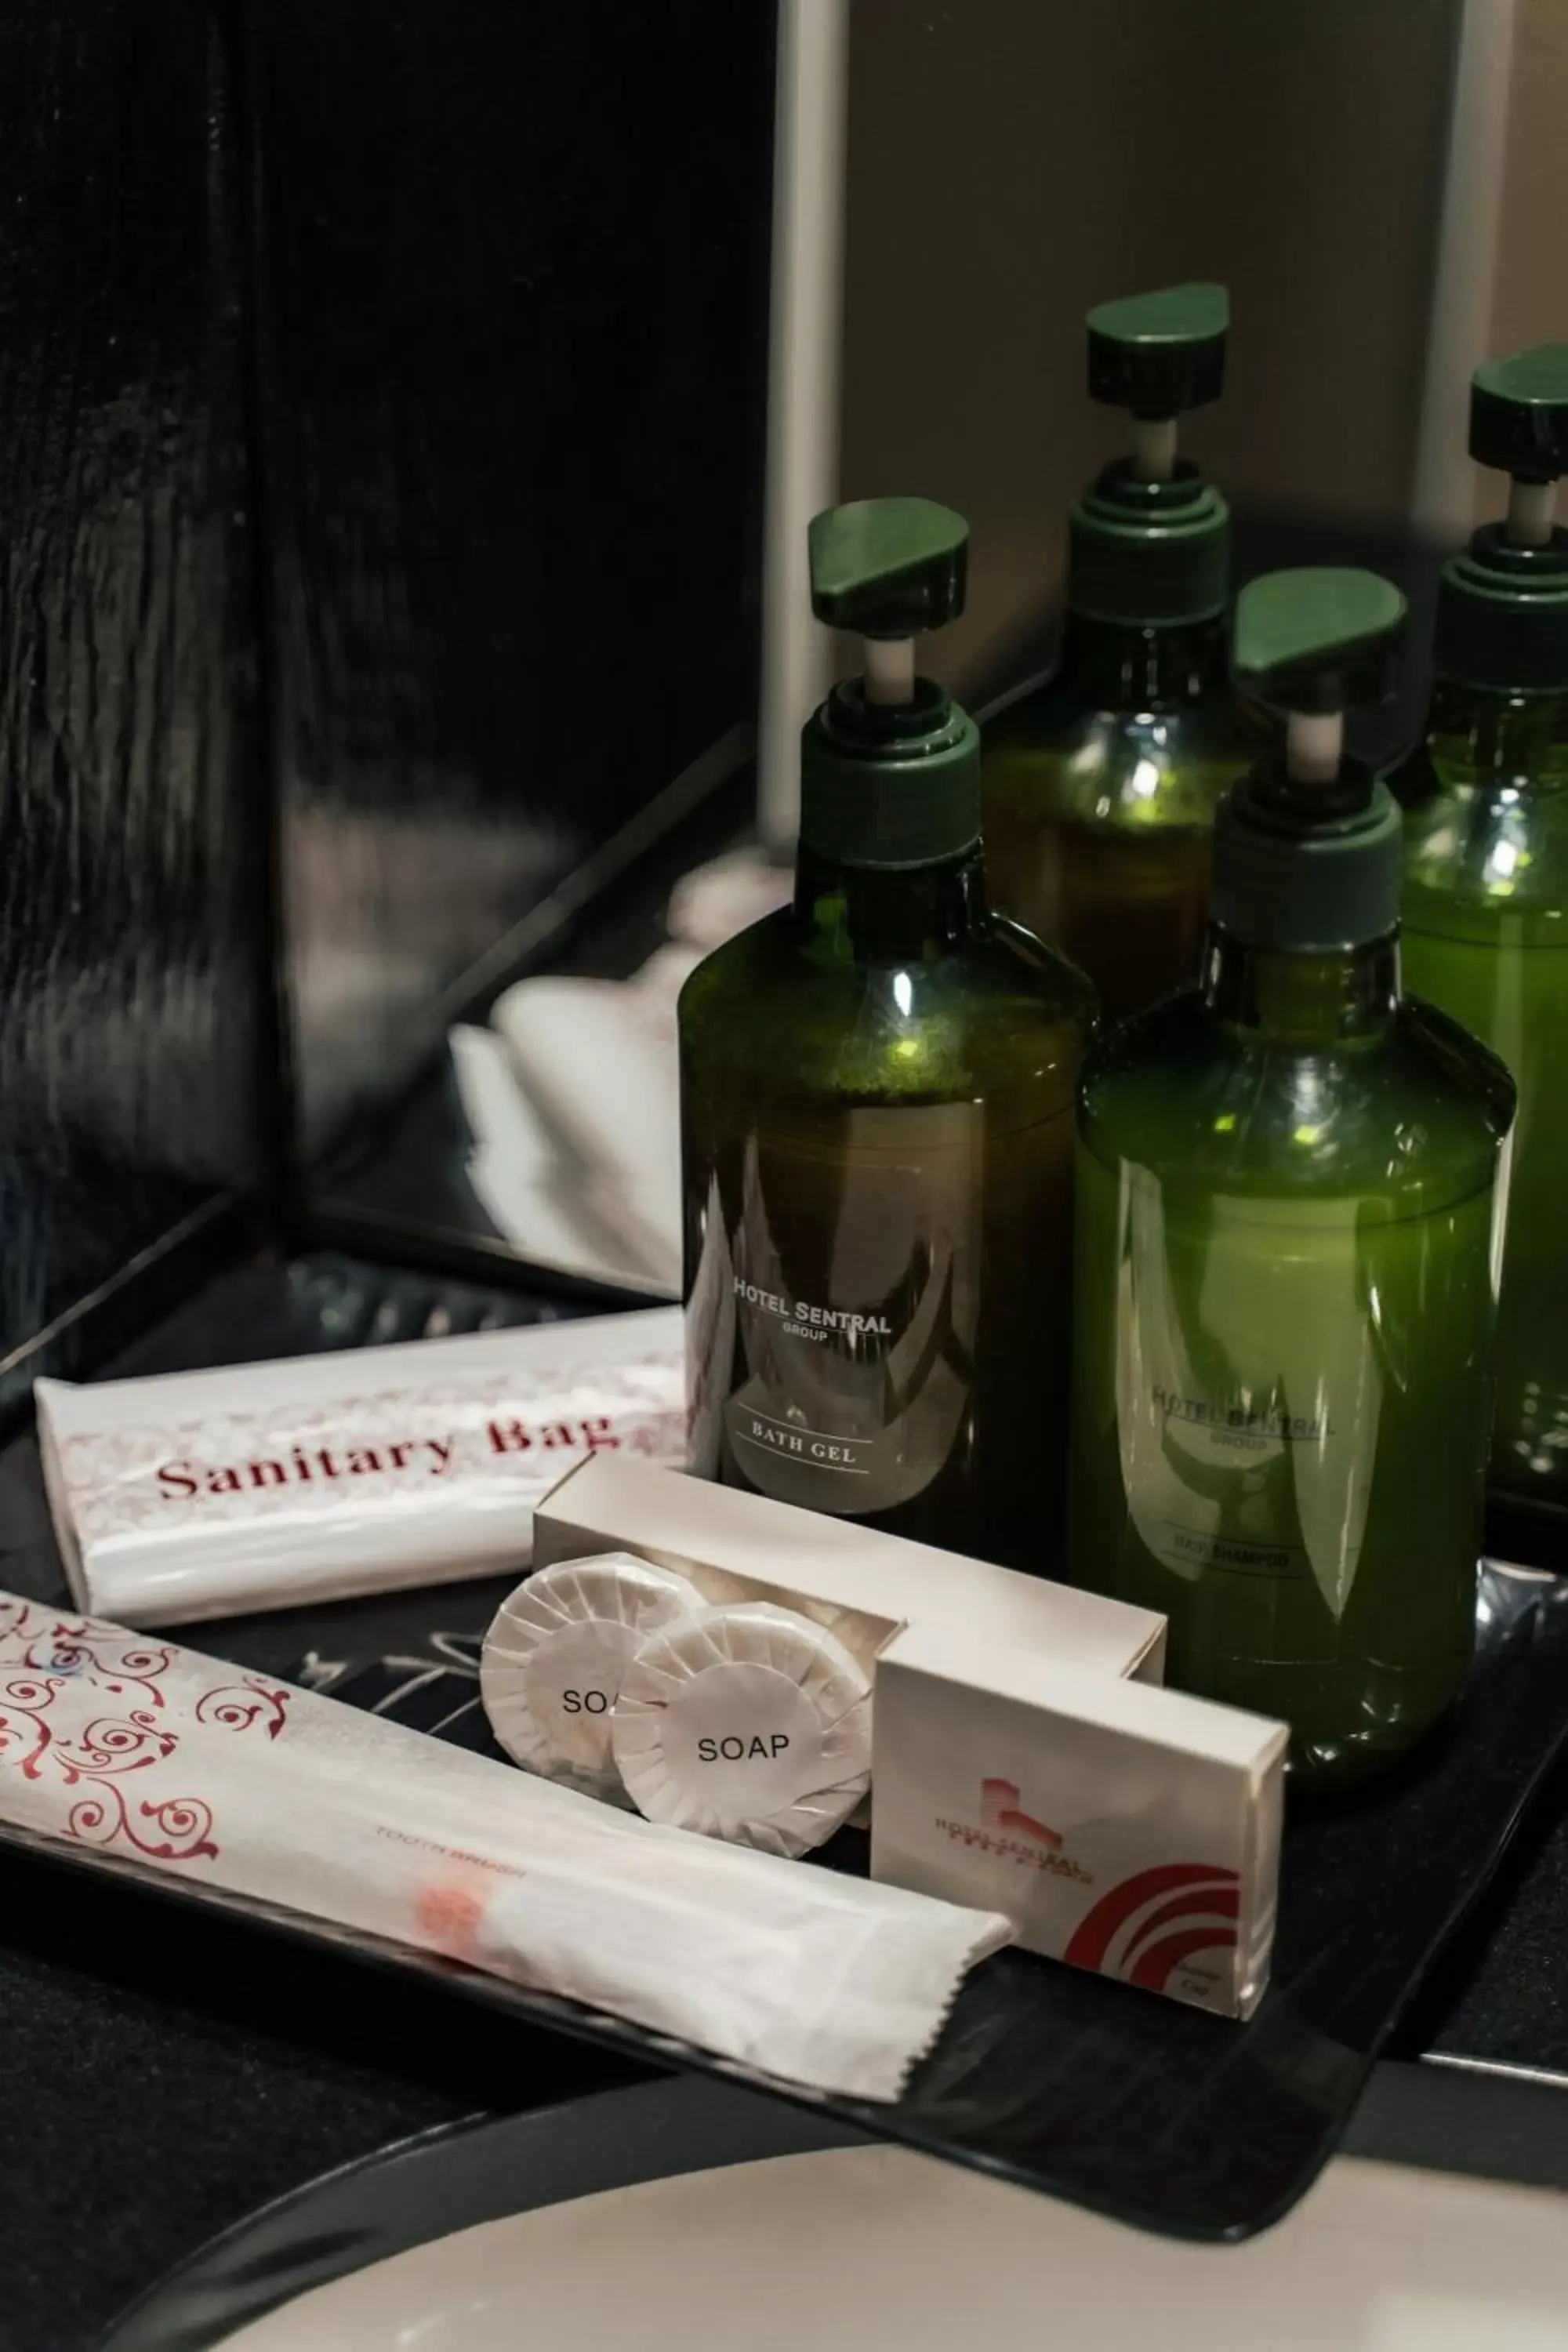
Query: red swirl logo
(1158, 1920)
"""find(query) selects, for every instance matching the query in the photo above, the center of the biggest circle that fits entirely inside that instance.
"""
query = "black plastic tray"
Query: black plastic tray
(1160, 2115)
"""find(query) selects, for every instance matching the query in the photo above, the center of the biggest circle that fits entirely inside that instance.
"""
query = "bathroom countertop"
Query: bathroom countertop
(163, 2071)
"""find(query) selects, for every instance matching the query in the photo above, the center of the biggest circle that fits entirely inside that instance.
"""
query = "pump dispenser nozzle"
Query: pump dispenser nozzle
(1518, 425)
(1502, 606)
(888, 569)
(1157, 356)
(890, 765)
(1307, 849)
(1313, 645)
(1149, 538)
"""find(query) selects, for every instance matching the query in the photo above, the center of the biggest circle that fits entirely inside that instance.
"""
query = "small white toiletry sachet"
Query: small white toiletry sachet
(205, 1493)
(556, 1658)
(155, 1758)
(747, 1723)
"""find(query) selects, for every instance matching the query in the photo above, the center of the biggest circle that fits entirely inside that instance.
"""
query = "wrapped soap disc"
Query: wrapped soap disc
(747, 1723)
(555, 1656)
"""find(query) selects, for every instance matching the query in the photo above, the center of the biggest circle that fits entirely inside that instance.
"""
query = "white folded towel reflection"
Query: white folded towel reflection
(572, 1095)
(553, 1210)
(597, 1059)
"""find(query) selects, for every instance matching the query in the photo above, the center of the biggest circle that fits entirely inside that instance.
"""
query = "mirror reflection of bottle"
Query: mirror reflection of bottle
(876, 1088)
(1486, 878)
(1289, 1227)
(1101, 784)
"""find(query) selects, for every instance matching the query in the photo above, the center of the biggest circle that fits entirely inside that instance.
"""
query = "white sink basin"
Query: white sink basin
(873, 2247)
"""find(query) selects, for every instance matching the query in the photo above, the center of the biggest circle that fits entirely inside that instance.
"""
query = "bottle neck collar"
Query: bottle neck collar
(1130, 665)
(1483, 736)
(857, 913)
(1307, 998)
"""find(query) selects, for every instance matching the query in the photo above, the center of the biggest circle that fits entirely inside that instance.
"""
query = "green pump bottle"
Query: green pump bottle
(1288, 1234)
(876, 1088)
(1101, 785)
(1486, 878)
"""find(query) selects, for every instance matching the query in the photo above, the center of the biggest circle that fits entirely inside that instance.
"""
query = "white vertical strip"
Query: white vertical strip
(804, 334)
(1459, 336)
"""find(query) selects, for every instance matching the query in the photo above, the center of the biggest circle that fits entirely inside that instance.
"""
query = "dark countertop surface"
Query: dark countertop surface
(163, 2071)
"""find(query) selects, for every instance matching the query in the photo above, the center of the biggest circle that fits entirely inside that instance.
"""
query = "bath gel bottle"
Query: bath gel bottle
(1486, 878)
(1101, 785)
(1288, 1231)
(876, 1088)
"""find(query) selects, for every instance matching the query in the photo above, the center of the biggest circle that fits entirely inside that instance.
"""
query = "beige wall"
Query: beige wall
(1011, 162)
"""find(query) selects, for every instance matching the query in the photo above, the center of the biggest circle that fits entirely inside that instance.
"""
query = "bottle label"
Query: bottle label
(851, 1273)
(1250, 1388)
(1280, 1418)
(1188, 1448)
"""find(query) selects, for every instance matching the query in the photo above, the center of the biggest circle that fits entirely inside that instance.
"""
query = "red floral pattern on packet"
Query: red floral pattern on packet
(128, 1729)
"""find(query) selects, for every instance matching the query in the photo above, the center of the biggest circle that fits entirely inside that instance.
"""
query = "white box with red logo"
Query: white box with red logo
(1124, 1829)
(1024, 1758)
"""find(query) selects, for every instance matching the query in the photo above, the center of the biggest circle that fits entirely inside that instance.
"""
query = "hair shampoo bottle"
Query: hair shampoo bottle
(1486, 878)
(877, 1085)
(1288, 1243)
(1101, 785)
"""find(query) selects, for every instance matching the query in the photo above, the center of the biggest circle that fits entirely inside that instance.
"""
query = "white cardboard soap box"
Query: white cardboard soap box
(862, 1583)
(1023, 1753)
(1127, 1829)
(1024, 1758)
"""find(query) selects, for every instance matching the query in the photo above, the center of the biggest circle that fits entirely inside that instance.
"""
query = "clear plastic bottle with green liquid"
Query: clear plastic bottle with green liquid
(1101, 784)
(1288, 1239)
(876, 1088)
(1486, 878)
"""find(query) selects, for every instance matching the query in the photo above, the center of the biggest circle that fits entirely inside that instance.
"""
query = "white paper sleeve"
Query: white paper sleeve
(154, 1756)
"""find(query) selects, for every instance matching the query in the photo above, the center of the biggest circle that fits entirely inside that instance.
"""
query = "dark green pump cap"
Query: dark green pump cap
(887, 567)
(1148, 542)
(1519, 415)
(1502, 606)
(1158, 355)
(1319, 640)
(1307, 849)
(889, 764)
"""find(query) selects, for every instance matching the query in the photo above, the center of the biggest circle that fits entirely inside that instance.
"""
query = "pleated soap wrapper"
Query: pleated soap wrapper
(153, 1758)
(749, 1723)
(557, 1653)
(208, 1494)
